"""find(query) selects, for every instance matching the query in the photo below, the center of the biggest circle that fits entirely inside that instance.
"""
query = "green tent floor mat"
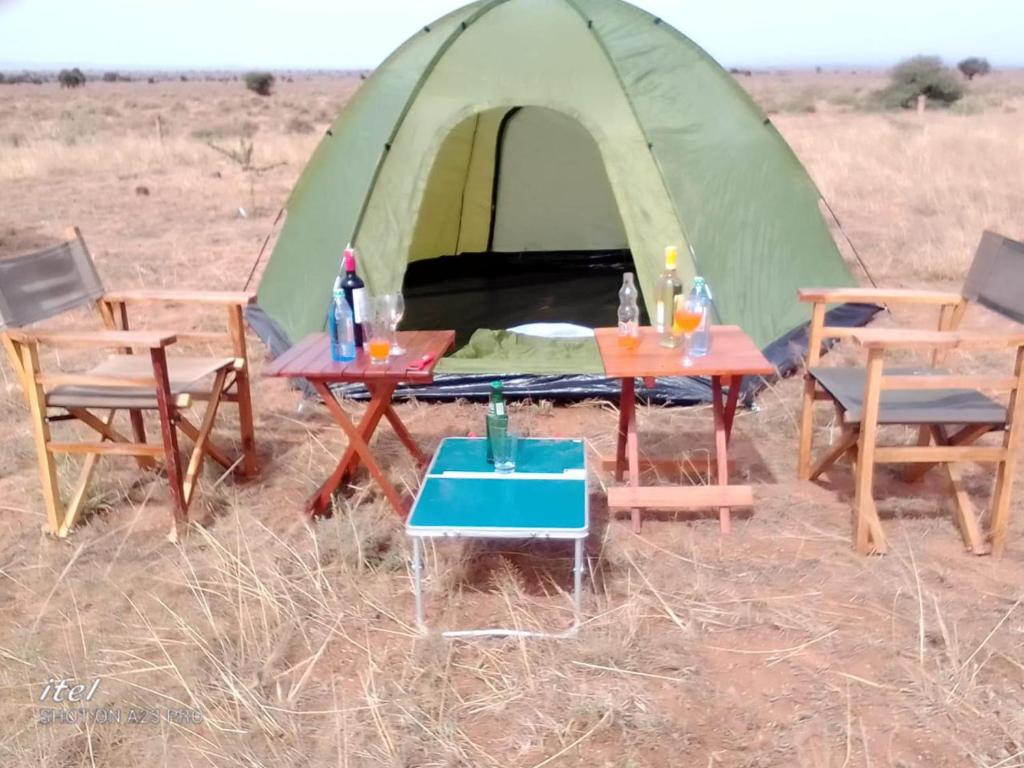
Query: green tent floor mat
(505, 352)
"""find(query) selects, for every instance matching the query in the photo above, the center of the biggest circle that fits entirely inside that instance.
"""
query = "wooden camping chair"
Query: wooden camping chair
(950, 411)
(42, 285)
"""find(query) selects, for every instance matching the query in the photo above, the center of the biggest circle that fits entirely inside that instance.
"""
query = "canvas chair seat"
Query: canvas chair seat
(188, 376)
(936, 406)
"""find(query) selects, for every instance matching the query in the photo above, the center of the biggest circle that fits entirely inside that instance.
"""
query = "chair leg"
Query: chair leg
(77, 502)
(866, 515)
(1001, 505)
(169, 432)
(1004, 474)
(245, 422)
(806, 431)
(911, 473)
(963, 510)
(195, 464)
(41, 434)
(138, 425)
(847, 442)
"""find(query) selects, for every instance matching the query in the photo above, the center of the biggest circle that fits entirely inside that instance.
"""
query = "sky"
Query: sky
(358, 34)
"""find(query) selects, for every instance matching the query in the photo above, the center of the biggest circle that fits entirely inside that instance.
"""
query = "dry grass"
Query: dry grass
(774, 647)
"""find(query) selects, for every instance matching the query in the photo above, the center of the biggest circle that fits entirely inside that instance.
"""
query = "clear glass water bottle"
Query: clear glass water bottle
(341, 326)
(629, 313)
(701, 341)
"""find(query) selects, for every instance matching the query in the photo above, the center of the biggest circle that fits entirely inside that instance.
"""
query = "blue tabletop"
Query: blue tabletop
(463, 495)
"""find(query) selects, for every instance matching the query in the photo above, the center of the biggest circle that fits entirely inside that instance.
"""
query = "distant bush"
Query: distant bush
(111, 77)
(151, 80)
(71, 78)
(259, 82)
(920, 76)
(973, 66)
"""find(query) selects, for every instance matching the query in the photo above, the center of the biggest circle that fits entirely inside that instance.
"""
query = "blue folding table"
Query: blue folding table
(463, 497)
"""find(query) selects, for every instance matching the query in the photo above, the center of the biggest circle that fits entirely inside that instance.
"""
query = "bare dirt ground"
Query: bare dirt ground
(774, 646)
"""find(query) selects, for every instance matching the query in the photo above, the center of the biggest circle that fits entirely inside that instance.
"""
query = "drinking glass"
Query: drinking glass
(396, 310)
(689, 312)
(503, 445)
(377, 329)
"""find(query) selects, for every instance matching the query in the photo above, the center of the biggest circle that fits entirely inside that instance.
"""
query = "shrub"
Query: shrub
(974, 65)
(259, 82)
(71, 78)
(920, 76)
(111, 77)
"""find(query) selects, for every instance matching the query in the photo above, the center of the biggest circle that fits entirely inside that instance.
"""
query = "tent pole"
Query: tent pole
(263, 248)
(846, 237)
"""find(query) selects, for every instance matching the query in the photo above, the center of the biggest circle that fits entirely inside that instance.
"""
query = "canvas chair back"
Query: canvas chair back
(43, 284)
(996, 277)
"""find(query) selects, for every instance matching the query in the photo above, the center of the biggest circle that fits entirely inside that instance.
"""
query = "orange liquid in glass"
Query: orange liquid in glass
(629, 342)
(379, 349)
(686, 322)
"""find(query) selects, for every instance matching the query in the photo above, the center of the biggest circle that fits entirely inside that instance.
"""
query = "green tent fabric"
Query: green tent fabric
(547, 126)
(518, 353)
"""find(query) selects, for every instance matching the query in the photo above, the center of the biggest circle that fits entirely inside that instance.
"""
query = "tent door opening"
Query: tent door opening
(518, 224)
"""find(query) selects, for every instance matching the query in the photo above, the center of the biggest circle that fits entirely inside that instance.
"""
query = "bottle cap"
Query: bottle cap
(496, 386)
(671, 257)
(627, 277)
(350, 258)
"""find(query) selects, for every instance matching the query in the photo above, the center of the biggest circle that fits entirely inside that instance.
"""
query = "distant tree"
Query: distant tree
(1, 77)
(111, 77)
(920, 76)
(151, 80)
(974, 65)
(259, 82)
(71, 78)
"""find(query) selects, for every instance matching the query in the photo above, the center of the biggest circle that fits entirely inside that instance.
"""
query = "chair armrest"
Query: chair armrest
(157, 295)
(94, 339)
(899, 338)
(878, 295)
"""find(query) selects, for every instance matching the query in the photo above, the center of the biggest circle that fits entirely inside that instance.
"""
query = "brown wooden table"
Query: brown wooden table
(732, 356)
(310, 359)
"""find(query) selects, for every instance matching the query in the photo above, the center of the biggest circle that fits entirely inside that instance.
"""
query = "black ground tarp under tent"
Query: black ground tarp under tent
(501, 290)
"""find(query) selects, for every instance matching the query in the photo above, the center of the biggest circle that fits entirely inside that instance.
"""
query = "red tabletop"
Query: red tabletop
(732, 353)
(311, 359)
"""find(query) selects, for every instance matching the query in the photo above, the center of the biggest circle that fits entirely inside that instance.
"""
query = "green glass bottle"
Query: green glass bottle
(496, 414)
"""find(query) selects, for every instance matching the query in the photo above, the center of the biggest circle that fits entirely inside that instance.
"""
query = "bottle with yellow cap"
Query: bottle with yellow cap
(670, 288)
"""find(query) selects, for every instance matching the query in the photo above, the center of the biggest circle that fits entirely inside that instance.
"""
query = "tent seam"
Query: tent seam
(639, 124)
(413, 95)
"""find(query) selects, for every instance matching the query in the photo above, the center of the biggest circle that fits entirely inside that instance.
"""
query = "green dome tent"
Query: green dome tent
(551, 129)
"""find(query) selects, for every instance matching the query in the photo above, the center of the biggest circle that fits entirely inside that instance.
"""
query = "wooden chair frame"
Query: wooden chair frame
(230, 383)
(935, 445)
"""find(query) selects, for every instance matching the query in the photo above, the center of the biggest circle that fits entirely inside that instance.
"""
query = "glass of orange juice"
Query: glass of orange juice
(377, 329)
(686, 320)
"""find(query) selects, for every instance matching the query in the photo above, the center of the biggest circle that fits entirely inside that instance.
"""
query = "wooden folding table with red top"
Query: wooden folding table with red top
(310, 359)
(732, 356)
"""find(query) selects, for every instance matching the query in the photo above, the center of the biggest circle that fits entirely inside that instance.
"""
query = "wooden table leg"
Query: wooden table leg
(358, 446)
(627, 398)
(735, 385)
(628, 406)
(405, 437)
(723, 430)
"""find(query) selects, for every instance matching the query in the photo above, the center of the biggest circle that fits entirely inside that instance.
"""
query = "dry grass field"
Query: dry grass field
(293, 641)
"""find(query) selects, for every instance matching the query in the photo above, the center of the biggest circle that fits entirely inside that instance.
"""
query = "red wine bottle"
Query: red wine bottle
(355, 293)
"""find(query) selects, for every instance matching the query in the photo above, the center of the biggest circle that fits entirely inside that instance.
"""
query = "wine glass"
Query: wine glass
(689, 312)
(396, 308)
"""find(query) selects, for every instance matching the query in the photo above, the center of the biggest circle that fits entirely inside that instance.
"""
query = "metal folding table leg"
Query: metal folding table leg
(577, 581)
(417, 579)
